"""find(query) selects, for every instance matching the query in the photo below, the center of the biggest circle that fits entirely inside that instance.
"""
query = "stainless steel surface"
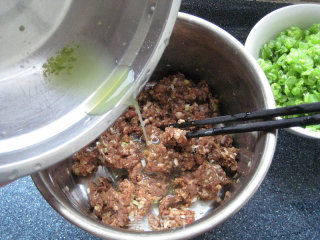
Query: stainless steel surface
(40, 123)
(201, 50)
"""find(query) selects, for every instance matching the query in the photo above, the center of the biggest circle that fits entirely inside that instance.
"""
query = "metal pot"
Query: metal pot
(42, 122)
(200, 50)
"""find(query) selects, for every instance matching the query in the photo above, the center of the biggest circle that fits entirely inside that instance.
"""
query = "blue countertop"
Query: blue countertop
(286, 206)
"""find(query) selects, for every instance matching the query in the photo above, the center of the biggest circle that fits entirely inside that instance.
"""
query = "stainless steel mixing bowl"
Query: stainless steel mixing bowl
(41, 123)
(200, 50)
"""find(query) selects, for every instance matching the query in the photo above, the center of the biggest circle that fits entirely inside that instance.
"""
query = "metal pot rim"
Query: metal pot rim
(201, 225)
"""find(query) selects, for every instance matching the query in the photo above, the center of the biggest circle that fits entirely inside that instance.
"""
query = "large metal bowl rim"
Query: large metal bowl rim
(198, 227)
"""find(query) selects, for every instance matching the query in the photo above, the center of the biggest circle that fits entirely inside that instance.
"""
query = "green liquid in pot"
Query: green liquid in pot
(88, 72)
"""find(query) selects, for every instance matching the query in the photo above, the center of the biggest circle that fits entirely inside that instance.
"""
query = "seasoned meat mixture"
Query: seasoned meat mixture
(170, 171)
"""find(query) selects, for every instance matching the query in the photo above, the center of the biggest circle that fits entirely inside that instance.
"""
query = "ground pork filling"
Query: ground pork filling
(171, 172)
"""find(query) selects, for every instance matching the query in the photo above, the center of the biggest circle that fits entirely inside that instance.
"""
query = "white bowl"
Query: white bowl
(301, 15)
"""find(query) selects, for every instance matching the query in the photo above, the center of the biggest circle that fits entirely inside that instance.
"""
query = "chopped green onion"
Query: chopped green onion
(63, 61)
(291, 63)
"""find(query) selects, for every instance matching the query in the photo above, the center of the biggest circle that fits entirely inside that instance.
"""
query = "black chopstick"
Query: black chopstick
(267, 113)
(258, 126)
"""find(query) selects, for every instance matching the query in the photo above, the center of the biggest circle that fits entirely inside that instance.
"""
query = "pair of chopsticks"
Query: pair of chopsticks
(265, 124)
